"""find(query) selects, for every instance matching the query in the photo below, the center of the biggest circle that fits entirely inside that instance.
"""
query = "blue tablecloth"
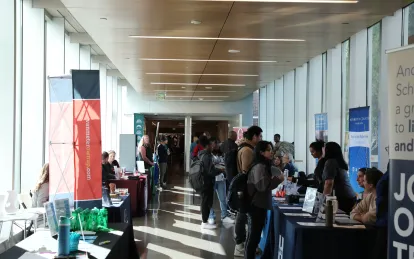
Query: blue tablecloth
(293, 241)
(120, 212)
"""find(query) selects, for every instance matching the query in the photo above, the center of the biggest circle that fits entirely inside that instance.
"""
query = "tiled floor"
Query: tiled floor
(171, 228)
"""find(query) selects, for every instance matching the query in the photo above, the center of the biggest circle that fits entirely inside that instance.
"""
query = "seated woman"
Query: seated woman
(41, 190)
(365, 211)
(260, 184)
(289, 165)
(277, 162)
(112, 160)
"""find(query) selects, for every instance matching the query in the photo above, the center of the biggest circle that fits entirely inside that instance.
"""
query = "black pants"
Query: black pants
(380, 250)
(207, 196)
(256, 219)
(240, 228)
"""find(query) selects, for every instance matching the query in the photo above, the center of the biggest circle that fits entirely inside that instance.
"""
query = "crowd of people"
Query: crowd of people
(264, 163)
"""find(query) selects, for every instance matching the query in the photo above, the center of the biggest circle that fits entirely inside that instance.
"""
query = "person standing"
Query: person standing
(228, 146)
(276, 139)
(245, 158)
(316, 150)
(193, 145)
(335, 177)
(209, 174)
(260, 184)
(162, 152)
(145, 152)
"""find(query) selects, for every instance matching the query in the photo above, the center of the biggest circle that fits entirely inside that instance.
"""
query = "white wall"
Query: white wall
(289, 107)
(34, 78)
(71, 55)
(334, 94)
(85, 57)
(301, 78)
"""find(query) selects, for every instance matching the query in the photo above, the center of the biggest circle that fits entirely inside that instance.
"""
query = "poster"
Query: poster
(240, 131)
(139, 126)
(401, 146)
(359, 143)
(321, 127)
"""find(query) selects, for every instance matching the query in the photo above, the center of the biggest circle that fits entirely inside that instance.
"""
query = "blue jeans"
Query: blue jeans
(220, 188)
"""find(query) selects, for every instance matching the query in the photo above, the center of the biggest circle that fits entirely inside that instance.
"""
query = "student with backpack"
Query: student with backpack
(260, 183)
(208, 171)
(245, 156)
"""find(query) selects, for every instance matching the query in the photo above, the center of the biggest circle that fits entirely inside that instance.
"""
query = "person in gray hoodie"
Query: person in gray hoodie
(209, 174)
(260, 183)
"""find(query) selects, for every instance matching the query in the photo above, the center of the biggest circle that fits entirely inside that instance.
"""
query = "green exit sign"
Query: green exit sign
(160, 96)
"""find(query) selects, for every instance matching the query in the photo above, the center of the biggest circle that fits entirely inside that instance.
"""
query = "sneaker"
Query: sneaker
(211, 221)
(159, 189)
(228, 220)
(208, 226)
(239, 250)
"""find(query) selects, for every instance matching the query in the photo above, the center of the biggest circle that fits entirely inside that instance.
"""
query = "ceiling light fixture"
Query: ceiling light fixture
(200, 99)
(208, 60)
(195, 22)
(183, 87)
(210, 38)
(187, 74)
(234, 51)
(292, 1)
(209, 87)
(104, 18)
(203, 84)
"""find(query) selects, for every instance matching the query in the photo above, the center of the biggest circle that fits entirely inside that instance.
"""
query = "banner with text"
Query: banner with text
(139, 124)
(359, 143)
(321, 127)
(401, 145)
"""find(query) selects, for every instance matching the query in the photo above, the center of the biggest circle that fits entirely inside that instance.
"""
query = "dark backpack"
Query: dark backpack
(195, 176)
(230, 160)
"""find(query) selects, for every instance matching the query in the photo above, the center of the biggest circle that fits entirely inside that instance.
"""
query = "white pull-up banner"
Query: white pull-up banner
(401, 145)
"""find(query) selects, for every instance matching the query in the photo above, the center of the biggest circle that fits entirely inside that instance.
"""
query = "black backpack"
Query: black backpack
(195, 176)
(230, 160)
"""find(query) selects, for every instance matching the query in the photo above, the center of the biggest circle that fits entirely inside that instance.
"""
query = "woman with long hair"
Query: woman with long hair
(335, 177)
(277, 162)
(260, 184)
(41, 189)
(316, 150)
(145, 152)
(111, 160)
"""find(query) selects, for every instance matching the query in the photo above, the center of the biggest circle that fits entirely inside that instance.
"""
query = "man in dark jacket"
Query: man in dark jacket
(209, 173)
(225, 148)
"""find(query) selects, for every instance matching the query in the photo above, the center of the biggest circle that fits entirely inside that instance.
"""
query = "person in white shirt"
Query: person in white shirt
(220, 188)
(41, 190)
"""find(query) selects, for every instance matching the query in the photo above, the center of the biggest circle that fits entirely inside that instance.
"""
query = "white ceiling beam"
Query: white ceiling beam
(101, 59)
(81, 38)
(123, 82)
(114, 73)
(53, 4)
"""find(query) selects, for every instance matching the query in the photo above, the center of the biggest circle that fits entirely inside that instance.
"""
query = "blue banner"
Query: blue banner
(321, 127)
(359, 143)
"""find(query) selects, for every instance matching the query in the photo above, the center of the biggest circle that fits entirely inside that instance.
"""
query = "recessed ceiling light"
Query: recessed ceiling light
(209, 60)
(195, 22)
(234, 51)
(210, 38)
(189, 74)
(203, 84)
(127, 58)
(200, 99)
(209, 87)
(345, 23)
(183, 87)
(104, 18)
(292, 1)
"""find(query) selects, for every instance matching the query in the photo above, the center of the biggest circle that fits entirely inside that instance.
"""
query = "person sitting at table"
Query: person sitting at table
(365, 211)
(145, 152)
(335, 177)
(277, 162)
(260, 184)
(288, 162)
(360, 180)
(111, 159)
(41, 190)
(106, 168)
(316, 150)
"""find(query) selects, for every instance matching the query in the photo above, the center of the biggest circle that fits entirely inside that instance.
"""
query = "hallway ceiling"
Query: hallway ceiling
(149, 63)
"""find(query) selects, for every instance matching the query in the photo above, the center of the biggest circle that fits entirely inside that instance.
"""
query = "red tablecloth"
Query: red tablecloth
(133, 187)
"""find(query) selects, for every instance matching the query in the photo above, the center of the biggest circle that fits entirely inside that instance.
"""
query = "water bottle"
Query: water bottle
(329, 214)
(64, 236)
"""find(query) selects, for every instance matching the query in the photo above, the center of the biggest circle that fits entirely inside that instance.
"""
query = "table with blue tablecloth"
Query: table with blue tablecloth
(288, 239)
(120, 212)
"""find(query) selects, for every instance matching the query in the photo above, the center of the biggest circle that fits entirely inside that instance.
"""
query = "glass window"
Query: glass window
(374, 77)
(345, 97)
(409, 24)
(256, 108)
(324, 82)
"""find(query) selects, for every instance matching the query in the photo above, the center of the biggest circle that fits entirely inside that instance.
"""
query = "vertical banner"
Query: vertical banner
(401, 146)
(61, 180)
(321, 127)
(139, 123)
(359, 143)
(87, 138)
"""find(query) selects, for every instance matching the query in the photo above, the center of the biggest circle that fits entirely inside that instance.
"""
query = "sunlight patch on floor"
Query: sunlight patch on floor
(174, 254)
(184, 193)
(193, 227)
(191, 207)
(183, 189)
(197, 243)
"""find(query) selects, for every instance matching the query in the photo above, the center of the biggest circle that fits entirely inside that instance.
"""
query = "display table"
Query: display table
(120, 212)
(122, 244)
(295, 241)
(133, 190)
